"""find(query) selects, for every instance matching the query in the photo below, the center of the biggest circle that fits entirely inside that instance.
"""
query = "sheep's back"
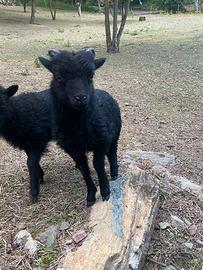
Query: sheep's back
(29, 120)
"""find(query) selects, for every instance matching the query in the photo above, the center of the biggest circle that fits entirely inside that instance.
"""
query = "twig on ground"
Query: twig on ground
(159, 263)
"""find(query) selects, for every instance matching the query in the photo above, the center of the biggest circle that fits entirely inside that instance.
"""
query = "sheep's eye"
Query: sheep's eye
(59, 78)
(91, 77)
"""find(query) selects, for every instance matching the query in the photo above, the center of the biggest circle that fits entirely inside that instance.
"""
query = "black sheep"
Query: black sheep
(84, 119)
(25, 123)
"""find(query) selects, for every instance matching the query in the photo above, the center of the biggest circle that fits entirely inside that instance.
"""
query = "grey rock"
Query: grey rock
(20, 237)
(190, 187)
(187, 222)
(24, 238)
(48, 237)
(164, 225)
(200, 242)
(193, 229)
(31, 247)
(64, 226)
(188, 245)
(159, 171)
(170, 267)
(156, 157)
(177, 222)
(181, 182)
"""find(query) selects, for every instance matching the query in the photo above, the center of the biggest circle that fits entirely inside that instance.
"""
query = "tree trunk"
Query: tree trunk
(123, 20)
(114, 42)
(24, 5)
(107, 25)
(52, 9)
(197, 6)
(33, 9)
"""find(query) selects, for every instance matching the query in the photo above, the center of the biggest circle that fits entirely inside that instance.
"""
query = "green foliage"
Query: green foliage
(37, 63)
(67, 44)
(25, 72)
(45, 256)
(61, 30)
(173, 6)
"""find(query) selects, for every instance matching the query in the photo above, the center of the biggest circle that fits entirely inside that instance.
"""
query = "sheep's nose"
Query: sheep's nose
(81, 98)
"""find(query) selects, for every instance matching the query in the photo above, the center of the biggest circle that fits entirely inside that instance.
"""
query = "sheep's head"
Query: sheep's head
(72, 76)
(5, 94)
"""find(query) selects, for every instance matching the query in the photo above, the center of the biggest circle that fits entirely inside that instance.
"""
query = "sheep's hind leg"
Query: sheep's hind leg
(41, 175)
(98, 161)
(35, 173)
(82, 165)
(112, 157)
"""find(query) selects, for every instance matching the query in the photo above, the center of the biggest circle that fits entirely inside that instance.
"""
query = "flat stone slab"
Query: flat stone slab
(120, 229)
(156, 158)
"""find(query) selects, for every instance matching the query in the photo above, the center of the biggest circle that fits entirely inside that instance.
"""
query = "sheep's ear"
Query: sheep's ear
(91, 50)
(11, 90)
(99, 62)
(45, 62)
(53, 53)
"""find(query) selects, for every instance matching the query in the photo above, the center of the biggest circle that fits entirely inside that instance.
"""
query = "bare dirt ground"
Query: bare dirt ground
(157, 79)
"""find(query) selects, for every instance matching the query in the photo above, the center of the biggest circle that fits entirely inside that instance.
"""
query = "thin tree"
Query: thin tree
(113, 41)
(52, 7)
(33, 10)
(197, 4)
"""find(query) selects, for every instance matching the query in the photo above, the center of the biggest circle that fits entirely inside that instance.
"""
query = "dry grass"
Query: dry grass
(157, 79)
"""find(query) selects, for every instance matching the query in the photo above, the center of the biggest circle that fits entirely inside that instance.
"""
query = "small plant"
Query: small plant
(37, 63)
(163, 192)
(133, 33)
(67, 44)
(45, 256)
(61, 30)
(1, 245)
(127, 31)
(25, 72)
(33, 212)
(174, 233)
(73, 216)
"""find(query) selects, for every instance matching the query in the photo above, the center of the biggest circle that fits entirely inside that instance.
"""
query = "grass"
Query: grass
(45, 256)
(158, 72)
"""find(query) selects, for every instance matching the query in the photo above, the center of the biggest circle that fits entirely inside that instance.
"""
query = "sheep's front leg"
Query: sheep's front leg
(98, 162)
(35, 174)
(82, 165)
(112, 157)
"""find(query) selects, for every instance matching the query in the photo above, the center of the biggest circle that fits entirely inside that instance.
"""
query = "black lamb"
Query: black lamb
(25, 123)
(84, 119)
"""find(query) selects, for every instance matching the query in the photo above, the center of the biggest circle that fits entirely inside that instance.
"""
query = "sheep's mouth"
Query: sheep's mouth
(80, 107)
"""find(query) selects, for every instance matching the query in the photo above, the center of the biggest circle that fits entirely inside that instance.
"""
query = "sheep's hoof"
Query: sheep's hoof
(89, 204)
(114, 178)
(34, 200)
(106, 198)
(41, 181)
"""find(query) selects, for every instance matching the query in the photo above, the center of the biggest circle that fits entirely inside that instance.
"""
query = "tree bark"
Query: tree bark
(123, 20)
(33, 9)
(52, 9)
(107, 25)
(24, 5)
(196, 6)
(114, 42)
